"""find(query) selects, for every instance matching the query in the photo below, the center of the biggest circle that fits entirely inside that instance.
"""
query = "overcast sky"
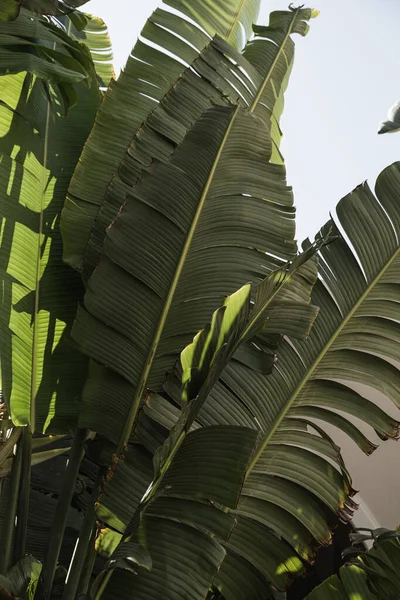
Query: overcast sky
(345, 78)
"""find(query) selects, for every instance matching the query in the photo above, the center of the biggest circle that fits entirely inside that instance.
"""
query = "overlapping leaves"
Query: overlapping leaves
(371, 575)
(223, 75)
(145, 81)
(42, 49)
(10, 9)
(181, 466)
(167, 45)
(297, 480)
(225, 233)
(39, 150)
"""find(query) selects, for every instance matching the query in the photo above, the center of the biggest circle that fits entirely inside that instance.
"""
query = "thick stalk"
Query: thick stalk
(23, 496)
(83, 544)
(10, 513)
(61, 513)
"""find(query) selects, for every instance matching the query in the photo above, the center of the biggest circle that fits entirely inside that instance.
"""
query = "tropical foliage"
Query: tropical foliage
(370, 575)
(158, 456)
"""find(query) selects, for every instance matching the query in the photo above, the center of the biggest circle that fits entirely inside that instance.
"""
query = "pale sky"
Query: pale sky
(345, 78)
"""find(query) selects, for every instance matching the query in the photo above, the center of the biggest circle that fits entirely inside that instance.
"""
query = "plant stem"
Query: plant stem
(10, 513)
(81, 549)
(23, 496)
(61, 513)
(88, 564)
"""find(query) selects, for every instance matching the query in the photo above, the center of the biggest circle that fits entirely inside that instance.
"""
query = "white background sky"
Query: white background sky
(345, 78)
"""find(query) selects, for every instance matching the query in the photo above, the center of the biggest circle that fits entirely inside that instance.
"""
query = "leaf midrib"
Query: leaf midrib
(272, 67)
(318, 360)
(149, 361)
(177, 444)
(235, 21)
(141, 386)
(35, 332)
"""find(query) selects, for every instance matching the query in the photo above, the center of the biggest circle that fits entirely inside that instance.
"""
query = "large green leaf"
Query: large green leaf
(297, 480)
(192, 263)
(358, 295)
(223, 75)
(41, 369)
(179, 526)
(266, 226)
(181, 465)
(169, 43)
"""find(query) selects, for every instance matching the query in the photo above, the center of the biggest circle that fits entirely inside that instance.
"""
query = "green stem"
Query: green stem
(23, 496)
(10, 513)
(83, 543)
(88, 564)
(61, 513)
(6, 447)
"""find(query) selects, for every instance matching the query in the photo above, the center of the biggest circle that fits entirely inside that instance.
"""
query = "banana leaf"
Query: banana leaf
(251, 225)
(296, 484)
(42, 371)
(223, 76)
(10, 9)
(168, 44)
